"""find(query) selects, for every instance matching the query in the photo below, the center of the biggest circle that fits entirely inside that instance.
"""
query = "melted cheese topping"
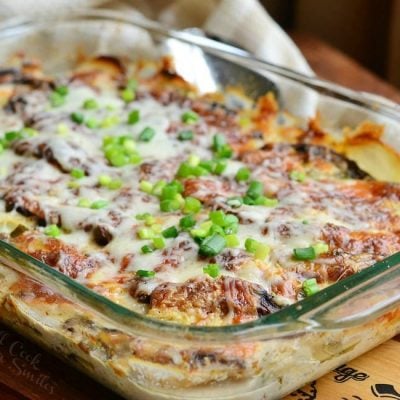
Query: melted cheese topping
(101, 248)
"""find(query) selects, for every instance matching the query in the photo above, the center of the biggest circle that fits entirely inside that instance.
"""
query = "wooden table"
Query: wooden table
(56, 381)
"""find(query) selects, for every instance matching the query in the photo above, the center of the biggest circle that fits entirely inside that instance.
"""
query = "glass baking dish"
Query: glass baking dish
(143, 358)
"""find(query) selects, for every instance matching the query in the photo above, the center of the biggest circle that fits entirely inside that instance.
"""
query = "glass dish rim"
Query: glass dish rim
(289, 319)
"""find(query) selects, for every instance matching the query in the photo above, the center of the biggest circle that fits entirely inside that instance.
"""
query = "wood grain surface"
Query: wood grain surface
(29, 373)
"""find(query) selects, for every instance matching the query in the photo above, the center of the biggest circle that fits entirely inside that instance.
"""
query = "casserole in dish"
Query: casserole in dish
(192, 241)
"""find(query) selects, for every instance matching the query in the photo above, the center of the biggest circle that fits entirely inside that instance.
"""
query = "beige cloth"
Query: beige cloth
(244, 22)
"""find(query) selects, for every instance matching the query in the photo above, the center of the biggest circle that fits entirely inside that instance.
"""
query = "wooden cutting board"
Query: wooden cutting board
(27, 372)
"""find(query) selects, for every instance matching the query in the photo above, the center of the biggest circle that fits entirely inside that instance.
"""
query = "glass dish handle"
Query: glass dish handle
(359, 304)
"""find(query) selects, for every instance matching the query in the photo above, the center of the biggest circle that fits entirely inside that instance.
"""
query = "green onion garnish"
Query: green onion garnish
(90, 104)
(220, 147)
(169, 205)
(320, 248)
(265, 201)
(147, 134)
(146, 186)
(220, 167)
(62, 90)
(234, 202)
(144, 273)
(159, 242)
(212, 270)
(133, 117)
(145, 233)
(232, 240)
(146, 249)
(190, 117)
(77, 117)
(192, 205)
(260, 250)
(185, 135)
(98, 204)
(255, 190)
(84, 203)
(128, 95)
(77, 173)
(243, 174)
(170, 232)
(212, 245)
(56, 99)
(52, 231)
(187, 222)
(298, 176)
(305, 253)
(310, 287)
(92, 123)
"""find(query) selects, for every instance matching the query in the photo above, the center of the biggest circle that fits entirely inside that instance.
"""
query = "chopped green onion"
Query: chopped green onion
(158, 188)
(92, 123)
(212, 270)
(77, 173)
(56, 100)
(149, 220)
(220, 167)
(147, 134)
(251, 245)
(185, 135)
(220, 147)
(208, 165)
(10, 136)
(187, 222)
(77, 117)
(265, 201)
(110, 121)
(62, 129)
(190, 117)
(218, 217)
(218, 141)
(232, 240)
(145, 233)
(90, 104)
(255, 190)
(52, 231)
(212, 245)
(62, 90)
(146, 186)
(133, 117)
(235, 202)
(320, 248)
(310, 287)
(84, 203)
(115, 184)
(143, 273)
(305, 253)
(143, 216)
(192, 205)
(128, 95)
(298, 176)
(159, 242)
(305, 222)
(262, 251)
(193, 160)
(186, 170)
(243, 174)
(170, 232)
(146, 249)
(169, 205)
(98, 204)
(104, 180)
